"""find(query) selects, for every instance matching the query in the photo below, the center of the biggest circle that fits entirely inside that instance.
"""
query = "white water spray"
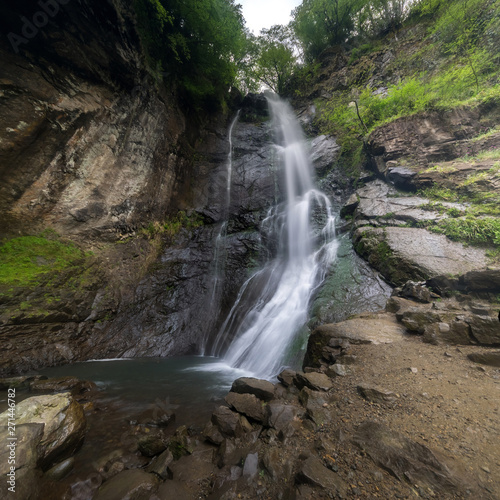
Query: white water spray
(272, 305)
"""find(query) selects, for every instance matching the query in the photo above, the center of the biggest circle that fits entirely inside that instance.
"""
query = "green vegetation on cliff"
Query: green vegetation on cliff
(198, 45)
(435, 56)
(26, 258)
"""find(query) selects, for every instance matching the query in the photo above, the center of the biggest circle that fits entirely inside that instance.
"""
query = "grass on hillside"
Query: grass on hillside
(461, 63)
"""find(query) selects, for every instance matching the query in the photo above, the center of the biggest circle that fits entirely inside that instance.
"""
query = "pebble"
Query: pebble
(486, 469)
(414, 370)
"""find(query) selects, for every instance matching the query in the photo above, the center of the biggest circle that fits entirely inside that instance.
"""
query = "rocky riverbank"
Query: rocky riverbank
(382, 410)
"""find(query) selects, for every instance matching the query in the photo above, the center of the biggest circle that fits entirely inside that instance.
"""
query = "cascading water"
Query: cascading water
(219, 252)
(272, 305)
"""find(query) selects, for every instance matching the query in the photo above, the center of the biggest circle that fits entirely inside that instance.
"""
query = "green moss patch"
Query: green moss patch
(23, 260)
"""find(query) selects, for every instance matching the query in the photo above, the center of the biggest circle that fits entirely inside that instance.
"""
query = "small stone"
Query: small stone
(414, 370)
(448, 355)
(315, 381)
(486, 469)
(337, 370)
(376, 394)
(61, 469)
(251, 465)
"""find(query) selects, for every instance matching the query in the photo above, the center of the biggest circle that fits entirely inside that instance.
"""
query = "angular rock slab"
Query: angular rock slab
(314, 380)
(248, 405)
(485, 329)
(63, 419)
(486, 358)
(315, 473)
(376, 394)
(284, 418)
(364, 329)
(404, 458)
(402, 253)
(263, 389)
(227, 422)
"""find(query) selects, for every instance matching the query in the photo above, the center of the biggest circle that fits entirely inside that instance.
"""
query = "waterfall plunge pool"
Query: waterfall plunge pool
(191, 385)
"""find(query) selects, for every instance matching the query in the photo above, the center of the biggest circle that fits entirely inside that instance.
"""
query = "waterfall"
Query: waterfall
(219, 253)
(272, 306)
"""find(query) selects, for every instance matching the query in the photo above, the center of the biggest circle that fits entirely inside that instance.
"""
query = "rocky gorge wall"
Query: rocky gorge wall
(92, 148)
(95, 150)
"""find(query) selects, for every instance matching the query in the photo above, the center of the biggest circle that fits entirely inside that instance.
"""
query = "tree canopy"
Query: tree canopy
(200, 44)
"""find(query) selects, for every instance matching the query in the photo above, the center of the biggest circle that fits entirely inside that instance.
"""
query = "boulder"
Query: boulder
(248, 405)
(286, 377)
(251, 465)
(195, 468)
(180, 444)
(61, 469)
(337, 370)
(401, 177)
(350, 206)
(485, 329)
(402, 254)
(450, 330)
(317, 405)
(212, 434)
(283, 417)
(26, 456)
(417, 319)
(379, 328)
(151, 444)
(160, 465)
(227, 422)
(134, 484)
(64, 424)
(59, 384)
(21, 382)
(487, 280)
(417, 292)
(263, 389)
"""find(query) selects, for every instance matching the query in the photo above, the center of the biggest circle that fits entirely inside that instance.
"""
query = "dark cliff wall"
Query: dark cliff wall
(93, 147)
(87, 142)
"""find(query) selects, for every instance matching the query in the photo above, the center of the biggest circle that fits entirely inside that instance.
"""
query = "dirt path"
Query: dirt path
(444, 401)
